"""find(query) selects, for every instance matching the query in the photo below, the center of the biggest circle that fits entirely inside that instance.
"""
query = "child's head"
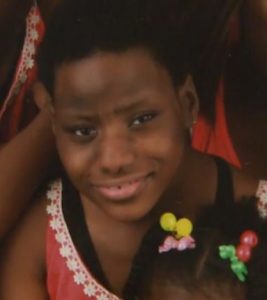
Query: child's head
(200, 273)
(122, 100)
(197, 273)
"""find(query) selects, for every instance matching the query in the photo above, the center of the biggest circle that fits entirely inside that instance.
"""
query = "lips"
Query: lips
(121, 190)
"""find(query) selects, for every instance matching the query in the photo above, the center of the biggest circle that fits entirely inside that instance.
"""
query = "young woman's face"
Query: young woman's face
(120, 128)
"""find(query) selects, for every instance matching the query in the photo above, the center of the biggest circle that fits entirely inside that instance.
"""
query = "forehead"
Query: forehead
(170, 291)
(106, 73)
(174, 293)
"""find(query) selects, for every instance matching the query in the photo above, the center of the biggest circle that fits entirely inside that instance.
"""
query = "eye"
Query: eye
(142, 119)
(85, 132)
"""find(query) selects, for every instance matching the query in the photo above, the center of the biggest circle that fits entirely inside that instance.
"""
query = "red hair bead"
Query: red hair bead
(250, 238)
(243, 252)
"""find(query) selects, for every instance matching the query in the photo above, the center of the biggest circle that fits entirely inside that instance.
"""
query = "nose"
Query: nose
(116, 153)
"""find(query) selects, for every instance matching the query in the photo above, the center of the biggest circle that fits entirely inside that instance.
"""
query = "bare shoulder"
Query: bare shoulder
(244, 185)
(23, 263)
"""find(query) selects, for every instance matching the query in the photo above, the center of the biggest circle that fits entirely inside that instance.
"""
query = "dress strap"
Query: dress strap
(67, 275)
(75, 220)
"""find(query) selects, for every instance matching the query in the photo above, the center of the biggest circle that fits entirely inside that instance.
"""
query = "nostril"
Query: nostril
(116, 152)
(116, 164)
(116, 160)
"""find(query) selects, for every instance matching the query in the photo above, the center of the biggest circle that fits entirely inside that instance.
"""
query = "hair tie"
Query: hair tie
(241, 254)
(180, 239)
(262, 199)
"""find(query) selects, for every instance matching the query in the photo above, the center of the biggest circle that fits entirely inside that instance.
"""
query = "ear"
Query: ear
(189, 101)
(42, 98)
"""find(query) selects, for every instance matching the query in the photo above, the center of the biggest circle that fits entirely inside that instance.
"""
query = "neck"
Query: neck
(176, 194)
(181, 198)
(97, 215)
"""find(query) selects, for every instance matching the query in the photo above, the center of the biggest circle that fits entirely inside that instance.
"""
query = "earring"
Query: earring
(192, 127)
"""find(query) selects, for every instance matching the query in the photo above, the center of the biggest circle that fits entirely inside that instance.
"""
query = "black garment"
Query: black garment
(75, 220)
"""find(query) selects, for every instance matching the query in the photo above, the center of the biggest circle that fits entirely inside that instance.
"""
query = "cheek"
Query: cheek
(168, 139)
(76, 159)
(164, 144)
(165, 148)
(171, 147)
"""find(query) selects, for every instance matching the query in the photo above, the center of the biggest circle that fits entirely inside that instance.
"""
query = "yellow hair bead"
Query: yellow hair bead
(168, 221)
(183, 227)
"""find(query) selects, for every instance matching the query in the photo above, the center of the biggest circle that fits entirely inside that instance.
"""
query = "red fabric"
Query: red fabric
(60, 280)
(60, 283)
(17, 111)
(67, 276)
(215, 139)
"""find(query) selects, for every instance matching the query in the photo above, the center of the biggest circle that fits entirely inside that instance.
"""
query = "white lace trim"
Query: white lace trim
(262, 198)
(27, 55)
(81, 276)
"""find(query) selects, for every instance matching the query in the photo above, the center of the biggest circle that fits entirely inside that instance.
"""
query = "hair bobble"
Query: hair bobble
(262, 199)
(181, 229)
(241, 254)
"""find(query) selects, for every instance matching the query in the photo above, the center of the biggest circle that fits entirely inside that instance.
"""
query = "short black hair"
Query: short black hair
(172, 31)
(201, 269)
(194, 270)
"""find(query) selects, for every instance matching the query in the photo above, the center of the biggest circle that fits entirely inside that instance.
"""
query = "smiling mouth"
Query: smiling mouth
(123, 190)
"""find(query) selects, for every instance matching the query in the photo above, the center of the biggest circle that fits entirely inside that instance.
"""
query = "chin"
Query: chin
(131, 213)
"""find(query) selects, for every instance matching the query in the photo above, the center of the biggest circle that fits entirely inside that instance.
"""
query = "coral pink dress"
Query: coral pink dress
(74, 280)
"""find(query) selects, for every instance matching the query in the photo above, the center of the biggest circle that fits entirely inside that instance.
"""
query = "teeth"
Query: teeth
(119, 187)
(121, 190)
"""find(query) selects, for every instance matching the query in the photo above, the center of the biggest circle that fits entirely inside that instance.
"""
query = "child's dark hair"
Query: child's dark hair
(201, 269)
(173, 31)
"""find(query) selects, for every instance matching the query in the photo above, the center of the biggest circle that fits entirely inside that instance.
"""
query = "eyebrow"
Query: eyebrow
(119, 110)
(125, 108)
